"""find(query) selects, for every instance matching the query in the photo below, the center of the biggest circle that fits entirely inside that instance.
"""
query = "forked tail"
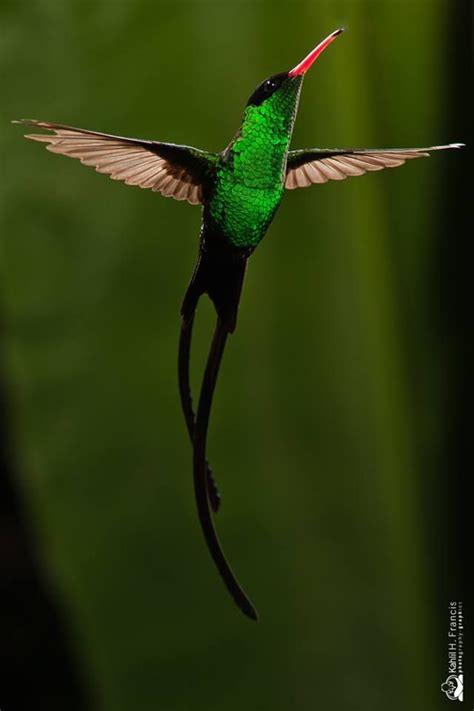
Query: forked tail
(222, 279)
(221, 275)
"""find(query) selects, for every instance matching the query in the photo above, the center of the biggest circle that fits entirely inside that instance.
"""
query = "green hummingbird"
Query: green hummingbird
(240, 190)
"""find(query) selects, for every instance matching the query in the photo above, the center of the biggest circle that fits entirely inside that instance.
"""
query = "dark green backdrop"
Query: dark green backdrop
(335, 398)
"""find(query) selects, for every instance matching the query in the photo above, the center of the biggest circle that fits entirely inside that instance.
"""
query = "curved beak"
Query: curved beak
(305, 64)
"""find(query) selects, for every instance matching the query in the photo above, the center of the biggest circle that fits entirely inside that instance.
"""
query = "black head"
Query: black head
(267, 88)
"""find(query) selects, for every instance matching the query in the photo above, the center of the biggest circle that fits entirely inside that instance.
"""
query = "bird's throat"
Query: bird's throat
(251, 173)
(258, 152)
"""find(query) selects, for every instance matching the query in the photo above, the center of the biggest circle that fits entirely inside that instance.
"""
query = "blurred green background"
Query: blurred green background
(330, 435)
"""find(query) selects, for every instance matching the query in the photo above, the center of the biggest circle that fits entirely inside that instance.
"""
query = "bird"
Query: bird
(239, 191)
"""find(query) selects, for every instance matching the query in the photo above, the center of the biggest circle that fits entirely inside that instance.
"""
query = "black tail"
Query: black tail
(221, 275)
(199, 466)
(187, 402)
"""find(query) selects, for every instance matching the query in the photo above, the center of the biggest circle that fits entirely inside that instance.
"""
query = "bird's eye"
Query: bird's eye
(270, 85)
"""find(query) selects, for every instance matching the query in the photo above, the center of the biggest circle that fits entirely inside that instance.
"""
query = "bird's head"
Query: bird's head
(277, 97)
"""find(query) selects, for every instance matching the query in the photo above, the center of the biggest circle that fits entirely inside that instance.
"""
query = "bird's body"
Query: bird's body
(240, 190)
(250, 173)
(245, 186)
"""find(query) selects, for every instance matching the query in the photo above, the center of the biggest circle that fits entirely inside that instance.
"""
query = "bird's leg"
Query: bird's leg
(200, 438)
(187, 401)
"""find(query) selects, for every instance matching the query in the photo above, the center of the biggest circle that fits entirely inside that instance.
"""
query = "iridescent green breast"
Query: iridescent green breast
(250, 174)
(243, 213)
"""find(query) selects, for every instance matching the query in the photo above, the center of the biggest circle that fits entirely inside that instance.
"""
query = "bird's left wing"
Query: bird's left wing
(174, 171)
(307, 167)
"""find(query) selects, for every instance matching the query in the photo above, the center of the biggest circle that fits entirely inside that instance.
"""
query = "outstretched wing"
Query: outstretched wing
(307, 167)
(174, 171)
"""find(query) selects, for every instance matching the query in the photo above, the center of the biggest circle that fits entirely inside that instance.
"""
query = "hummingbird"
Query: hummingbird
(239, 190)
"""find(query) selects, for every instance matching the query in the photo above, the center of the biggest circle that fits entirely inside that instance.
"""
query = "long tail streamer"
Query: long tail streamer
(187, 402)
(200, 470)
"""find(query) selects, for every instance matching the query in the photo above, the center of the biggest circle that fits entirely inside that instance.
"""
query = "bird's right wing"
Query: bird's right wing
(318, 165)
(173, 170)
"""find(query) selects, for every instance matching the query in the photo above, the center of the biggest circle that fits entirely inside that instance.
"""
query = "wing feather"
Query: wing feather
(309, 167)
(174, 171)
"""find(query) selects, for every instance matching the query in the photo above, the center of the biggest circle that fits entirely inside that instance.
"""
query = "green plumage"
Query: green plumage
(250, 173)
